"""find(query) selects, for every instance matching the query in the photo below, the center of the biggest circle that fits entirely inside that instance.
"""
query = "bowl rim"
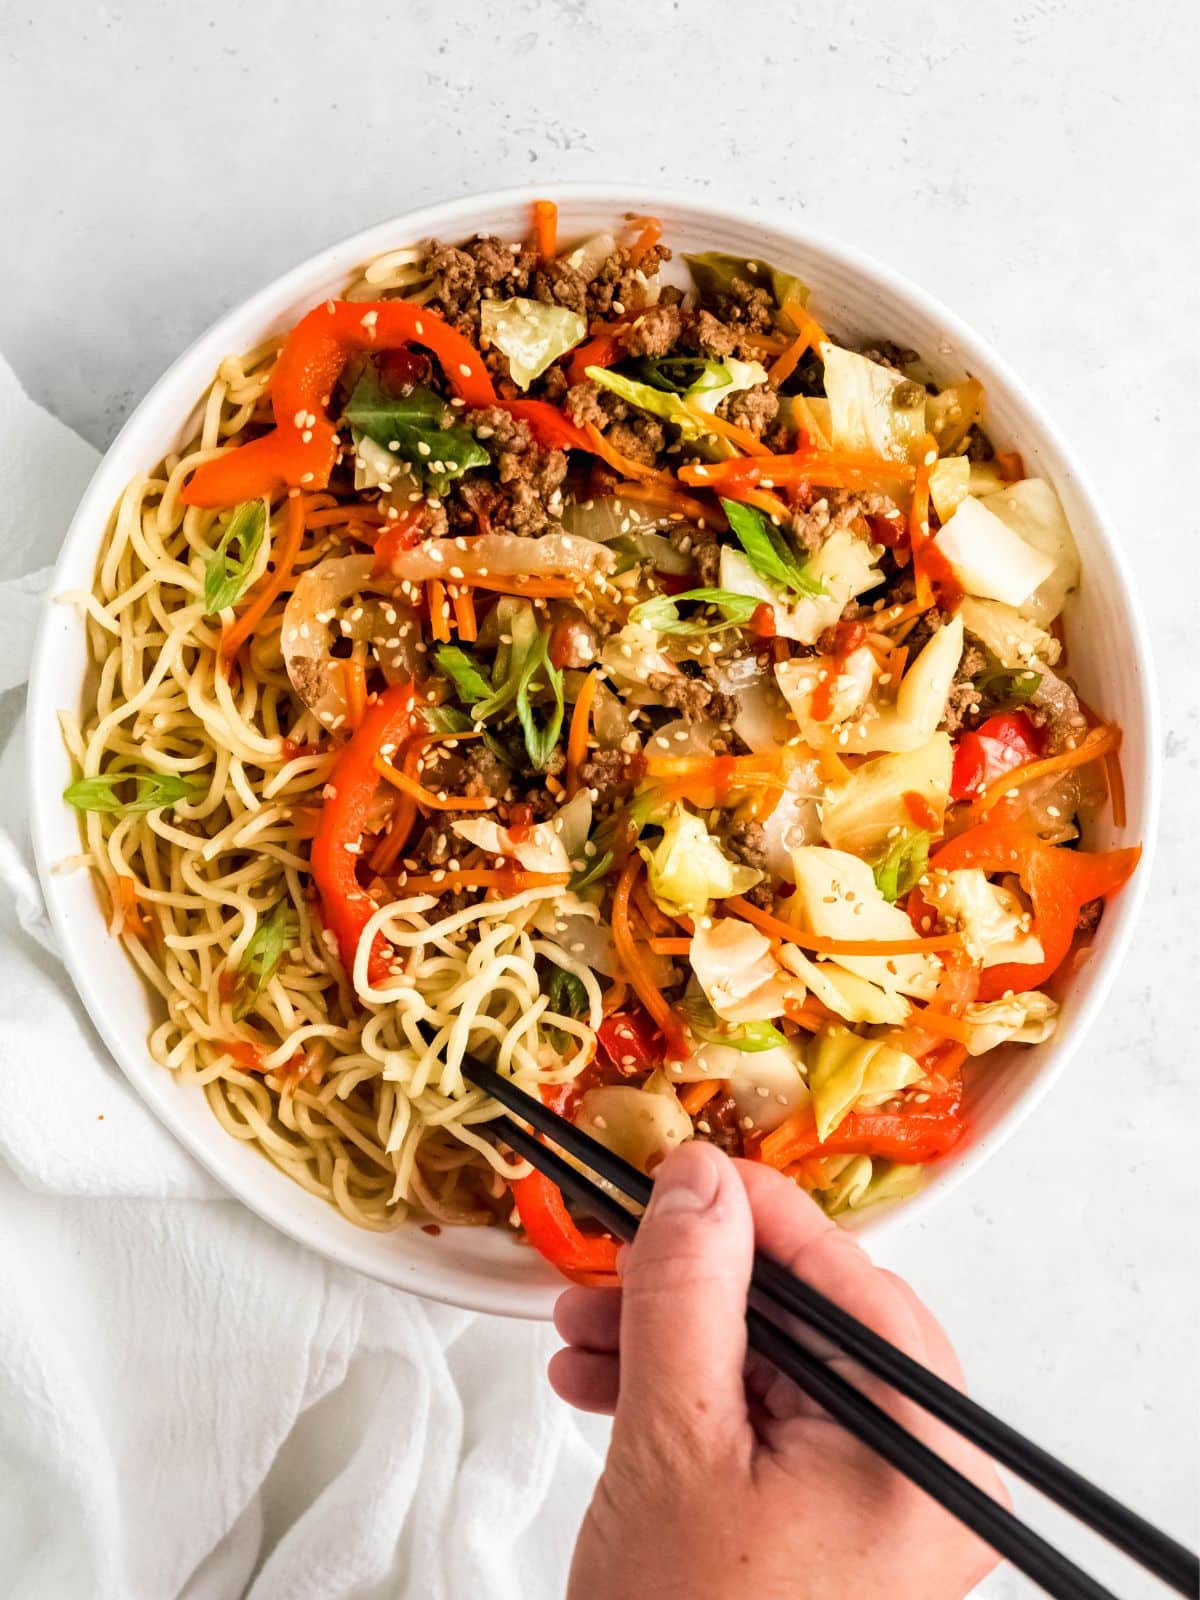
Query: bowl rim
(451, 218)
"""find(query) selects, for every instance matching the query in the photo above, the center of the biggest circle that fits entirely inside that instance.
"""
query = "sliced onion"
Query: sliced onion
(385, 624)
(680, 738)
(610, 720)
(503, 554)
(795, 821)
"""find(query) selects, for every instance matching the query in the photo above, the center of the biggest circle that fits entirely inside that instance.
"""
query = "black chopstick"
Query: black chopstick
(1027, 1550)
(1153, 1549)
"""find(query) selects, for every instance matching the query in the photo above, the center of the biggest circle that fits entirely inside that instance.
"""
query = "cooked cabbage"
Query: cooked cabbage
(838, 898)
(989, 558)
(632, 653)
(735, 968)
(659, 402)
(844, 1069)
(851, 997)
(799, 678)
(642, 1125)
(530, 334)
(843, 566)
(1031, 510)
(768, 1085)
(951, 415)
(737, 376)
(587, 258)
(871, 407)
(863, 814)
(884, 1180)
(920, 702)
(504, 554)
(1014, 640)
(949, 485)
(994, 924)
(1028, 1018)
(541, 850)
(687, 869)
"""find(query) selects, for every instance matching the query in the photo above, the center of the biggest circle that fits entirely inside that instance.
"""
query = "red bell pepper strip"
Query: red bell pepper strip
(1058, 882)
(588, 1258)
(995, 747)
(918, 1131)
(346, 908)
(552, 428)
(301, 449)
(631, 1042)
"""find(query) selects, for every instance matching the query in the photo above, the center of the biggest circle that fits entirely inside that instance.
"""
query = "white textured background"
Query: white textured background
(1032, 163)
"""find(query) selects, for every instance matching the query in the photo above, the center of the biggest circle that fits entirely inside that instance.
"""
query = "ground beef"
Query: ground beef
(962, 702)
(702, 545)
(887, 354)
(560, 284)
(693, 698)
(552, 385)
(747, 842)
(979, 446)
(746, 305)
(1055, 706)
(527, 496)
(655, 332)
(719, 1124)
(586, 403)
(708, 336)
(607, 770)
(641, 438)
(461, 274)
(837, 508)
(619, 286)
(485, 774)
(1089, 916)
(753, 409)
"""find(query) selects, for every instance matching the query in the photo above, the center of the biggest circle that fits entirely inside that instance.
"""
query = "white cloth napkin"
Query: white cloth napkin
(190, 1404)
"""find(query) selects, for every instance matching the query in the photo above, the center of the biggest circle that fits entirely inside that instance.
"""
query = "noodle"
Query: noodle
(358, 1097)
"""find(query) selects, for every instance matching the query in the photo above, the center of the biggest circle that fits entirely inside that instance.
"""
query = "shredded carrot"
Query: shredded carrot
(439, 611)
(625, 465)
(896, 662)
(464, 612)
(1100, 742)
(510, 880)
(354, 683)
(545, 229)
(697, 1095)
(387, 852)
(932, 1019)
(668, 947)
(520, 584)
(668, 497)
(918, 525)
(426, 797)
(646, 240)
(894, 616)
(1116, 786)
(128, 916)
(577, 737)
(656, 921)
(809, 334)
(742, 437)
(264, 594)
(636, 970)
(766, 344)
(811, 1015)
(779, 929)
(333, 516)
(553, 785)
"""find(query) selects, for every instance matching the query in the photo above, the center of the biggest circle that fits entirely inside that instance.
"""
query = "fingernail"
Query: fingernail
(687, 1181)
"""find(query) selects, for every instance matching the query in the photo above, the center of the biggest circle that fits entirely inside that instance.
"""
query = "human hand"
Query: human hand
(722, 1478)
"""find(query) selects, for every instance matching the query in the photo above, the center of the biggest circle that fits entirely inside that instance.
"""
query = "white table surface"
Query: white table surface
(1029, 162)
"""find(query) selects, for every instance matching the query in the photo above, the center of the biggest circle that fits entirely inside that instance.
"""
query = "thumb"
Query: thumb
(683, 1303)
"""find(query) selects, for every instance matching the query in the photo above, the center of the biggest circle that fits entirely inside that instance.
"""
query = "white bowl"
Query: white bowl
(483, 1269)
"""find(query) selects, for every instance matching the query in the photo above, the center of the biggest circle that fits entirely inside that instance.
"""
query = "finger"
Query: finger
(790, 1227)
(683, 1327)
(589, 1318)
(940, 1353)
(586, 1380)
